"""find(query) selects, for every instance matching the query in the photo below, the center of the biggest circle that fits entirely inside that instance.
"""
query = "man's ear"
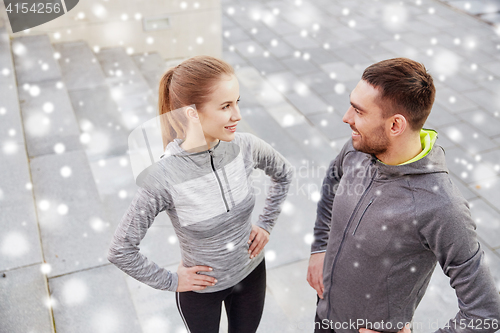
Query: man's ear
(192, 114)
(398, 124)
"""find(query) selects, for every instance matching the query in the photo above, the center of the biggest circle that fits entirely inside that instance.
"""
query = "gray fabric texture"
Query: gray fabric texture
(209, 198)
(384, 228)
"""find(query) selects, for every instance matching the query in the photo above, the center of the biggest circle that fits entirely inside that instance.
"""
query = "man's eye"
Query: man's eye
(357, 111)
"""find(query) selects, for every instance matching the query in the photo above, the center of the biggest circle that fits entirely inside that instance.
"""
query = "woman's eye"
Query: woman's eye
(225, 107)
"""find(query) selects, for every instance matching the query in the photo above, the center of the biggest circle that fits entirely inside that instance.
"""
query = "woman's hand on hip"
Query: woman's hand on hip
(258, 239)
(192, 278)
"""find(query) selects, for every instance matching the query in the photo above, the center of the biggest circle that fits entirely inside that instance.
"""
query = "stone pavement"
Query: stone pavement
(66, 111)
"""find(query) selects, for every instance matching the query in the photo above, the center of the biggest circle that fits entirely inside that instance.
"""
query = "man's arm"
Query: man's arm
(452, 238)
(323, 221)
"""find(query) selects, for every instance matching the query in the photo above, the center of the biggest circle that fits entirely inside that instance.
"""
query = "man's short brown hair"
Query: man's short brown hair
(405, 86)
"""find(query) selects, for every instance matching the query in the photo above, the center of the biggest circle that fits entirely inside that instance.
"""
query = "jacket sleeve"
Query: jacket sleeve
(325, 203)
(453, 240)
(281, 173)
(124, 250)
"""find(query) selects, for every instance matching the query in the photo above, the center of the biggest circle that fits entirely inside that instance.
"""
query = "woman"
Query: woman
(202, 182)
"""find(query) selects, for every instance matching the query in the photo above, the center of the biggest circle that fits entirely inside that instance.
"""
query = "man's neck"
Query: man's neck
(403, 150)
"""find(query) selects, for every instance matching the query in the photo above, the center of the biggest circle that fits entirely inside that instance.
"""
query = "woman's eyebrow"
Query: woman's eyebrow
(229, 101)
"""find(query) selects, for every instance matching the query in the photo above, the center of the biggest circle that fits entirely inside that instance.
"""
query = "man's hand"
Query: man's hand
(190, 279)
(258, 239)
(405, 329)
(315, 272)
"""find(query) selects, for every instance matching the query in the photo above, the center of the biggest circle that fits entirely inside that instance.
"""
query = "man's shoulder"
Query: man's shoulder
(436, 193)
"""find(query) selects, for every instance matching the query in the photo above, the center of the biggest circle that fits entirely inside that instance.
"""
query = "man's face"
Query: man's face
(365, 117)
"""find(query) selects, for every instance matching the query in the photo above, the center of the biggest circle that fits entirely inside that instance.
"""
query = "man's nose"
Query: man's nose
(347, 118)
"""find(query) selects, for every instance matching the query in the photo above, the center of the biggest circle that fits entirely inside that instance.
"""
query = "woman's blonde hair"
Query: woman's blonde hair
(190, 82)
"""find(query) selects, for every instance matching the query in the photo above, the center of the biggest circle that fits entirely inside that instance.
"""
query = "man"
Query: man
(389, 211)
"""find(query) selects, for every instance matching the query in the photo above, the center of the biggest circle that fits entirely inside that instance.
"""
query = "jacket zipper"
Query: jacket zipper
(344, 236)
(363, 214)
(218, 180)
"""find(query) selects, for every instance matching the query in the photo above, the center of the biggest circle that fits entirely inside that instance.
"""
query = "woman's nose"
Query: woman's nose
(236, 115)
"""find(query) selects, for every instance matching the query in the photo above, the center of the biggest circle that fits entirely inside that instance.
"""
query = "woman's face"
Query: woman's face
(220, 115)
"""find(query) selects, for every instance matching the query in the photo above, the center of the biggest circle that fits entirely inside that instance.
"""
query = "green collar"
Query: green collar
(427, 138)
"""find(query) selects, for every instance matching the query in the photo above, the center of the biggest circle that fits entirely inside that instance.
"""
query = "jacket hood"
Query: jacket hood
(433, 162)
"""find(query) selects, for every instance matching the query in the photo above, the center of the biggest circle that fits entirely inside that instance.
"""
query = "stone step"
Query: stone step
(25, 305)
(152, 67)
(94, 300)
(129, 89)
(103, 131)
(23, 286)
(48, 118)
(74, 233)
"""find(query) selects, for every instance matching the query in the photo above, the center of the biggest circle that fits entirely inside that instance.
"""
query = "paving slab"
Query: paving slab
(440, 116)
(79, 66)
(49, 121)
(236, 34)
(34, 59)
(267, 64)
(262, 33)
(20, 239)
(488, 189)
(308, 104)
(155, 309)
(286, 81)
(293, 294)
(468, 193)
(438, 305)
(476, 7)
(279, 48)
(100, 121)
(341, 71)
(468, 137)
(331, 125)
(75, 234)
(234, 59)
(488, 100)
(25, 301)
(16, 187)
(483, 121)
(286, 115)
(94, 300)
(488, 222)
(319, 82)
(129, 89)
(152, 67)
(294, 223)
(11, 127)
(249, 49)
(319, 151)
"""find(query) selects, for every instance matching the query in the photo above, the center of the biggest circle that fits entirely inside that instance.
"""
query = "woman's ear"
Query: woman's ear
(192, 114)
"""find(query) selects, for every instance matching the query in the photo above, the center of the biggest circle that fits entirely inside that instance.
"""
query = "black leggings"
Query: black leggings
(244, 303)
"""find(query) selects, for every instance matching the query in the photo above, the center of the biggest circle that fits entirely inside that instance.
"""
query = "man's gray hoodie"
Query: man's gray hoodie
(383, 229)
